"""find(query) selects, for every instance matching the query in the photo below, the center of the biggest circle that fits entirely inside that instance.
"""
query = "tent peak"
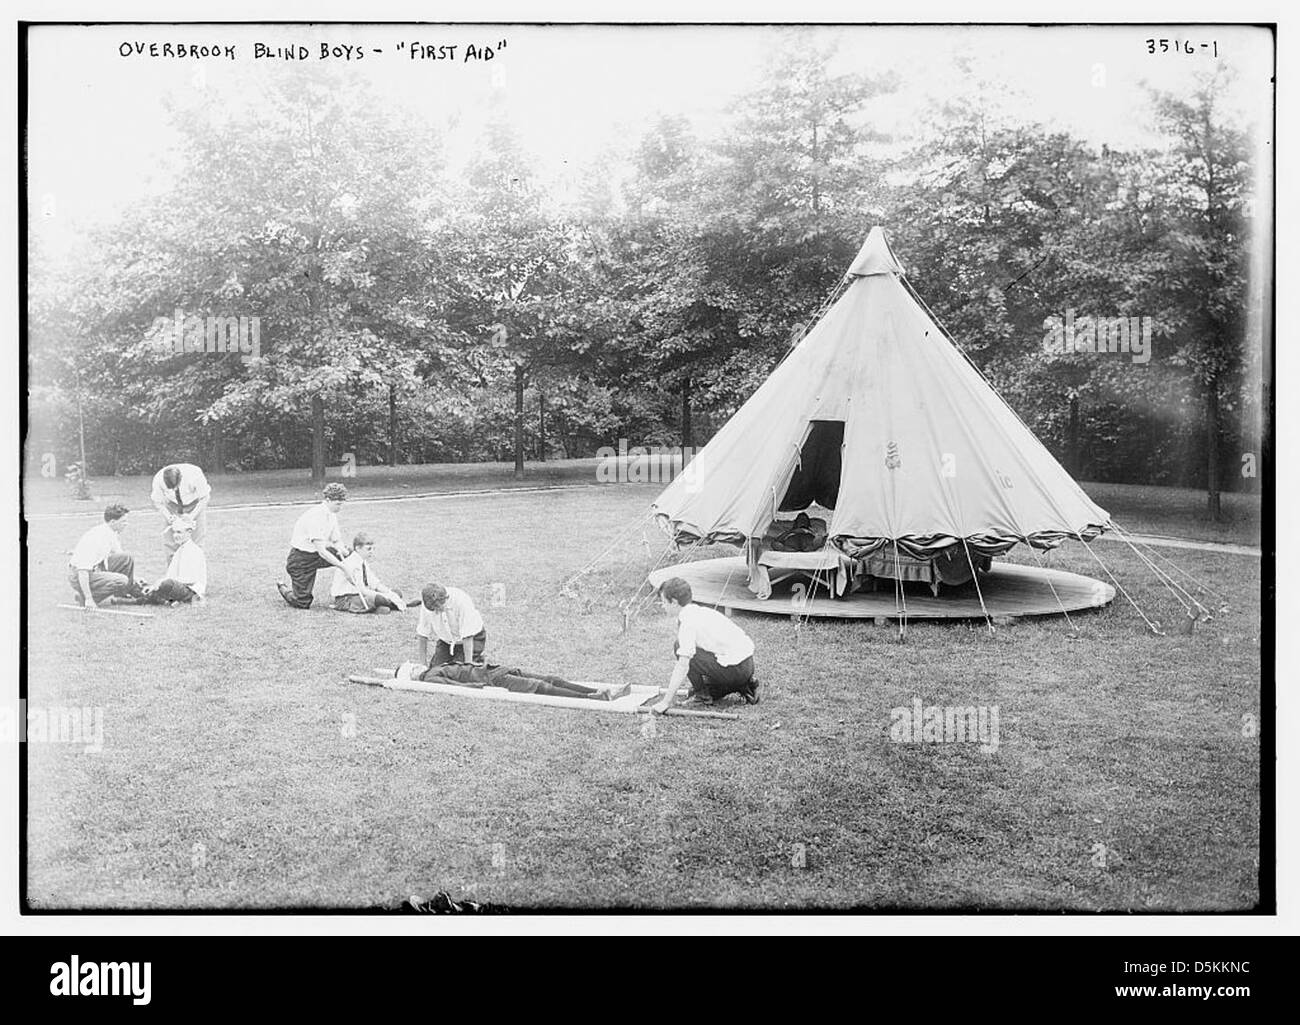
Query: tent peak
(875, 257)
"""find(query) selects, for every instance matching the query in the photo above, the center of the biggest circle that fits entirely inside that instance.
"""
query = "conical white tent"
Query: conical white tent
(877, 415)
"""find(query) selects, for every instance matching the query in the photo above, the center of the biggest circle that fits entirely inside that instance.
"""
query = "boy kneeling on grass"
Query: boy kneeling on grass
(315, 545)
(712, 652)
(364, 592)
(448, 615)
(99, 571)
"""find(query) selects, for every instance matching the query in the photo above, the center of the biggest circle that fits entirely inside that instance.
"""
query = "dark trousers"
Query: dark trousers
(114, 577)
(355, 603)
(301, 567)
(716, 680)
(171, 590)
(442, 653)
(520, 681)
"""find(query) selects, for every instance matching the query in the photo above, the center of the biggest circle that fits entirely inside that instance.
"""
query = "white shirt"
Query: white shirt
(316, 524)
(193, 486)
(189, 566)
(457, 620)
(96, 545)
(364, 574)
(704, 629)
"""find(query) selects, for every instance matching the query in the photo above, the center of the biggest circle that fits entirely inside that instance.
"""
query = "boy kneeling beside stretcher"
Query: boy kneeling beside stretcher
(448, 616)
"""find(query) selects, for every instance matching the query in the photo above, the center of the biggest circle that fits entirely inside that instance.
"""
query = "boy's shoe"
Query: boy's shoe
(412, 602)
(699, 697)
(286, 594)
(383, 610)
(750, 693)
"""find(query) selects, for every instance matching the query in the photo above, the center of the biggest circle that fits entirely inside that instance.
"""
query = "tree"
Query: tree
(522, 297)
(1206, 180)
(1005, 228)
(308, 211)
(732, 248)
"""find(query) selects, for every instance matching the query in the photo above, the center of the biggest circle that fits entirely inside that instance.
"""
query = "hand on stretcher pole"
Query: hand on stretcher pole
(108, 612)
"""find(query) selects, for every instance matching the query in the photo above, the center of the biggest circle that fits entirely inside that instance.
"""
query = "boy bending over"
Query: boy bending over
(448, 616)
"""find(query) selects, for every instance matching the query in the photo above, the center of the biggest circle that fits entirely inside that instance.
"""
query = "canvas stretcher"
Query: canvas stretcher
(637, 700)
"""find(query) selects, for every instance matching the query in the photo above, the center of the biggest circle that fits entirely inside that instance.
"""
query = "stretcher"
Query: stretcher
(634, 699)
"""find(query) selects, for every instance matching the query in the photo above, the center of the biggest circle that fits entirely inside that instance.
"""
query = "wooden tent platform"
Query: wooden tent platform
(1009, 590)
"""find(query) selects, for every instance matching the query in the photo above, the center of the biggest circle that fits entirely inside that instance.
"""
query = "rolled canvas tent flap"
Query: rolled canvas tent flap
(875, 257)
(930, 454)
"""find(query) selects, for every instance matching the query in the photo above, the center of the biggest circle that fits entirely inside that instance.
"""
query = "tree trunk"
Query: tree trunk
(541, 427)
(317, 439)
(218, 463)
(392, 425)
(519, 420)
(81, 430)
(1072, 453)
(687, 438)
(1213, 468)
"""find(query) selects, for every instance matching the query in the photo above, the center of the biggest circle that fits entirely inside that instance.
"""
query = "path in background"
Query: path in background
(294, 487)
(1162, 541)
(1153, 513)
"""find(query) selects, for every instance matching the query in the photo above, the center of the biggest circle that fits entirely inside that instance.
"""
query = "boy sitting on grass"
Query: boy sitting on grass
(187, 572)
(363, 592)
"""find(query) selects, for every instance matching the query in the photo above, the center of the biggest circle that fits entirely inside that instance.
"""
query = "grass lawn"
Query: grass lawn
(239, 770)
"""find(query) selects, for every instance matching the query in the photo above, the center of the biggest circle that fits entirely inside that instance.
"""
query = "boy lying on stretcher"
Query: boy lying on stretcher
(521, 681)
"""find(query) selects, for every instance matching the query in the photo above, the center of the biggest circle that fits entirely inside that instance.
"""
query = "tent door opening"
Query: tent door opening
(816, 477)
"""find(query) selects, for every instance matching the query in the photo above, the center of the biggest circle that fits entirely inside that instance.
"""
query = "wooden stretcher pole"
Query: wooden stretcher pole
(693, 713)
(580, 703)
(107, 612)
